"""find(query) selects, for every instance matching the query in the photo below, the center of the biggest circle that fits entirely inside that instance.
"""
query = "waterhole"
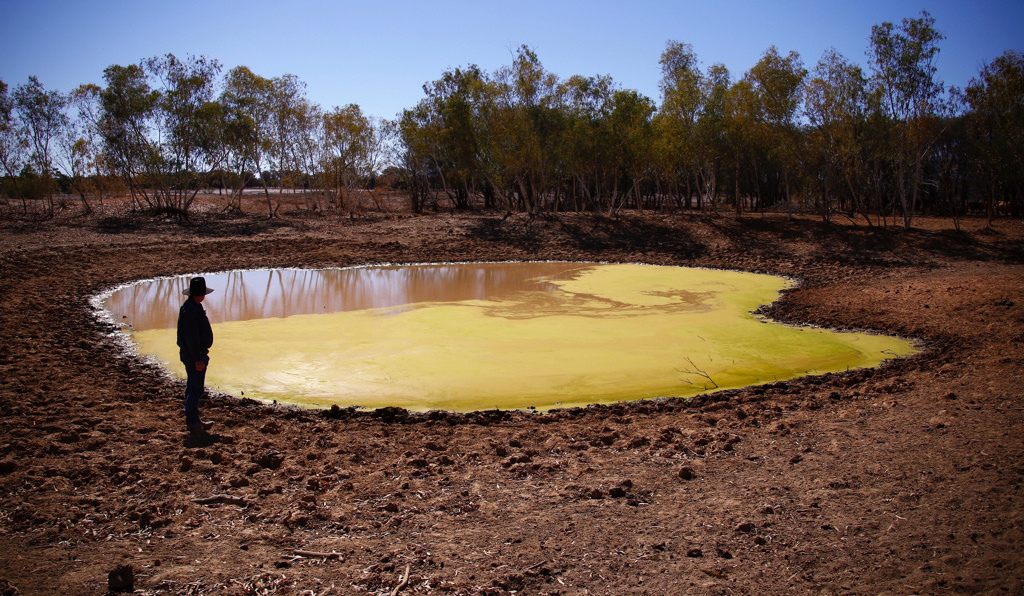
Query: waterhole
(480, 336)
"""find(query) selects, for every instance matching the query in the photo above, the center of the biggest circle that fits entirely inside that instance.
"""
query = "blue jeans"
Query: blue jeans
(194, 387)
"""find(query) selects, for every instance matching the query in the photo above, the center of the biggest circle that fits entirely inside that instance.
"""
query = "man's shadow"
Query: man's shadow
(203, 439)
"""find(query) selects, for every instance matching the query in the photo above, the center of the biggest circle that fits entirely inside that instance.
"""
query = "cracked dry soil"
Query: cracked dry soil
(906, 479)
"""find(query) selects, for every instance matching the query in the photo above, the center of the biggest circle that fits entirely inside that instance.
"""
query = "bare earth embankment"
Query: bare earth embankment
(908, 479)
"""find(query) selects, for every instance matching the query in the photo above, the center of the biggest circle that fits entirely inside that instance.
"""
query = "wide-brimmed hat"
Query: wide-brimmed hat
(197, 287)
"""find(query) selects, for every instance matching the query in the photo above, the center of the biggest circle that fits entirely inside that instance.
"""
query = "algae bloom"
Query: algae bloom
(492, 335)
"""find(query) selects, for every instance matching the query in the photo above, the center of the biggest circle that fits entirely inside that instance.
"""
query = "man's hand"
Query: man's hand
(200, 366)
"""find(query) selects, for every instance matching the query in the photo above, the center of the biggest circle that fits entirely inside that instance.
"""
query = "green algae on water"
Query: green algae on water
(578, 334)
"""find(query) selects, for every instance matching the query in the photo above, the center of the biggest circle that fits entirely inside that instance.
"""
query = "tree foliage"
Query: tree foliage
(878, 143)
(996, 125)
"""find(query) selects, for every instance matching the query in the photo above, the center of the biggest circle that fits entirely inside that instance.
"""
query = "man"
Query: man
(195, 336)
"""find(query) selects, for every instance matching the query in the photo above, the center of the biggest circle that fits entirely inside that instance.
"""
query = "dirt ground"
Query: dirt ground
(907, 479)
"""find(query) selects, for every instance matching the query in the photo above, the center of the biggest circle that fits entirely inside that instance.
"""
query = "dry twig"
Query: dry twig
(226, 499)
(401, 584)
(312, 554)
(699, 372)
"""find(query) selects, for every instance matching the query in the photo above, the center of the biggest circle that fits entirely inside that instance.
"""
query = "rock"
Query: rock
(270, 460)
(185, 464)
(694, 553)
(745, 527)
(295, 518)
(121, 579)
(639, 442)
(686, 473)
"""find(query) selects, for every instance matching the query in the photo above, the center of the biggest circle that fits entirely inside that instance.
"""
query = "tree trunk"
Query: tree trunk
(739, 204)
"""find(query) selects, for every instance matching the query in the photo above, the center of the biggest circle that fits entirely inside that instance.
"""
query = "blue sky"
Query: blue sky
(379, 54)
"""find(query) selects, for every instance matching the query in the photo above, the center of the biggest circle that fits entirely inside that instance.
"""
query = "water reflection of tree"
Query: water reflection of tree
(258, 294)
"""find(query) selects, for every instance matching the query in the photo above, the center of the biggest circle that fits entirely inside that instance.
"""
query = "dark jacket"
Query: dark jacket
(195, 336)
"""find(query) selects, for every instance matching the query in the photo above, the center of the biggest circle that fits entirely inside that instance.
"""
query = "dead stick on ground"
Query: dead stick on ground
(402, 583)
(312, 554)
(217, 499)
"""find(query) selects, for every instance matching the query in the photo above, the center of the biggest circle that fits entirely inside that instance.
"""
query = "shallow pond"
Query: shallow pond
(490, 335)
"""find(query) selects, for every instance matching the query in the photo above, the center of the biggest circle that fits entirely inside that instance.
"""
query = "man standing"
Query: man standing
(195, 336)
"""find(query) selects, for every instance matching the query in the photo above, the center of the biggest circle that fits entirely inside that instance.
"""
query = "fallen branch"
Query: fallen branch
(218, 499)
(697, 371)
(312, 554)
(401, 584)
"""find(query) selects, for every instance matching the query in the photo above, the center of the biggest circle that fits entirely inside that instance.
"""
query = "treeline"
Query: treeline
(881, 145)
(165, 129)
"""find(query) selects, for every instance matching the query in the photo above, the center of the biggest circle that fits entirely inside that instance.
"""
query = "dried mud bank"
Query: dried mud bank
(904, 479)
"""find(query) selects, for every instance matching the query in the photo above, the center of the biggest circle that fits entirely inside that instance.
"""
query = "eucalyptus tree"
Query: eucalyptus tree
(682, 85)
(456, 123)
(40, 115)
(306, 140)
(247, 102)
(996, 119)
(951, 164)
(79, 155)
(188, 124)
(417, 155)
(488, 138)
(587, 104)
(903, 62)
(526, 95)
(441, 134)
(163, 139)
(349, 142)
(836, 105)
(379, 158)
(744, 130)
(778, 82)
(127, 104)
(287, 102)
(712, 138)
(13, 147)
(631, 138)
